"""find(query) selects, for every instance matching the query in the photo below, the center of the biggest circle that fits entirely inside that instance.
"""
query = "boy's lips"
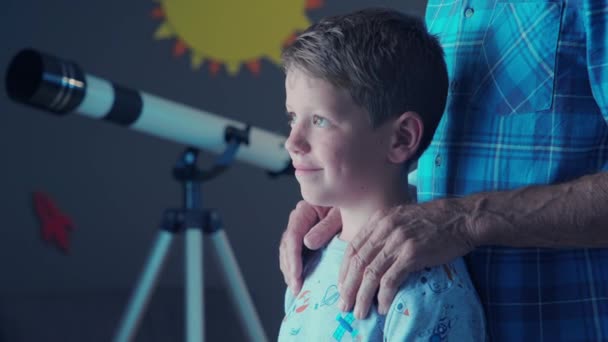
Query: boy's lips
(305, 168)
(302, 169)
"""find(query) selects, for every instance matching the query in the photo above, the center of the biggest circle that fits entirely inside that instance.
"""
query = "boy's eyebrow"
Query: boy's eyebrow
(327, 114)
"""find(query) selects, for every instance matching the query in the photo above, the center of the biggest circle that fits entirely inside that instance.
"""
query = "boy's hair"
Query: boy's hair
(386, 60)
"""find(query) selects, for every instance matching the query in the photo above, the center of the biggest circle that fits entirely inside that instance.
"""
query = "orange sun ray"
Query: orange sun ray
(214, 67)
(179, 48)
(254, 66)
(314, 4)
(157, 13)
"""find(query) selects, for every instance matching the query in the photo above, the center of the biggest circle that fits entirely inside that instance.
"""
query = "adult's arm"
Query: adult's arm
(411, 237)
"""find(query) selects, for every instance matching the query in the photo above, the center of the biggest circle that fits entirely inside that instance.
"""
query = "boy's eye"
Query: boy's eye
(319, 121)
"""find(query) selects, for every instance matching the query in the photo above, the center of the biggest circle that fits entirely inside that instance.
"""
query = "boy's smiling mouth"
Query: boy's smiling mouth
(302, 169)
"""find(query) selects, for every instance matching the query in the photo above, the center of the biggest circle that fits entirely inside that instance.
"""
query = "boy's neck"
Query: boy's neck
(355, 217)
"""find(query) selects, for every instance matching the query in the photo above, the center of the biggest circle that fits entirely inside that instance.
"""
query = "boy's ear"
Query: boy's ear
(406, 136)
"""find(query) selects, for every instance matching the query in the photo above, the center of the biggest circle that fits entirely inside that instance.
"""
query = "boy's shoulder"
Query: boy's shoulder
(438, 279)
(319, 272)
(440, 298)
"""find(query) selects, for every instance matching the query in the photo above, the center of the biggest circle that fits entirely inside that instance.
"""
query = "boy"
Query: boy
(365, 92)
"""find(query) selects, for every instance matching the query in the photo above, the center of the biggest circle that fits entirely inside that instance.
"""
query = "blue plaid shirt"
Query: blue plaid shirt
(528, 104)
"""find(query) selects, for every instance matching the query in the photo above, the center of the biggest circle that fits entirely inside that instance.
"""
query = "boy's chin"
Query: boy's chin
(316, 199)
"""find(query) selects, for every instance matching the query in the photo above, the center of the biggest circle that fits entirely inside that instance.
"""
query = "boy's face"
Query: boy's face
(339, 158)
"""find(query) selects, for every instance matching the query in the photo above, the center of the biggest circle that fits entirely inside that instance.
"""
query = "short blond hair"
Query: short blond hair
(385, 59)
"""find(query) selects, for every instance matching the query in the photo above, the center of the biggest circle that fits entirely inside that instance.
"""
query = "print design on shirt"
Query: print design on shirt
(440, 332)
(302, 302)
(345, 324)
(441, 279)
(299, 305)
(401, 307)
(331, 296)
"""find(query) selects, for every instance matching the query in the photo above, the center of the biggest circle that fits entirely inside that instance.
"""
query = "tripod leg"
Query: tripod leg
(241, 300)
(194, 296)
(147, 281)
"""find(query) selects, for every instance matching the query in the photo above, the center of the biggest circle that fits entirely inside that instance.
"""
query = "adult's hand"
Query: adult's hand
(308, 225)
(396, 242)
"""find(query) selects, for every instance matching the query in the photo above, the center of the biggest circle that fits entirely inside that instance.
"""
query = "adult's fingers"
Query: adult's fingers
(301, 219)
(323, 231)
(392, 279)
(282, 266)
(359, 254)
(356, 244)
(290, 255)
(371, 281)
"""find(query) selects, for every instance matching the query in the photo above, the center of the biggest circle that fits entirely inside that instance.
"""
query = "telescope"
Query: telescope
(61, 87)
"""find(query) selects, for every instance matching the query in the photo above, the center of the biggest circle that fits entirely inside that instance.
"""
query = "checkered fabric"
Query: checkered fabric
(528, 104)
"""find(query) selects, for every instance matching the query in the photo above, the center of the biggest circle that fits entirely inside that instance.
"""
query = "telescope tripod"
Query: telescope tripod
(195, 221)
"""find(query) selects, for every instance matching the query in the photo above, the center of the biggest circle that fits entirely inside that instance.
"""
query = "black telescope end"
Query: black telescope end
(44, 81)
(24, 75)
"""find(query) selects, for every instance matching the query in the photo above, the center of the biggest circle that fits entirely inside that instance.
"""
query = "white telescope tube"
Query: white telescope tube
(61, 87)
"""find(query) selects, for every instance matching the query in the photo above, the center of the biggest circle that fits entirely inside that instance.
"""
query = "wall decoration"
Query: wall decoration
(231, 33)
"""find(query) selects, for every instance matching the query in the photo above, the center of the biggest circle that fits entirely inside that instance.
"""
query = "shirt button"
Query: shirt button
(438, 160)
(469, 12)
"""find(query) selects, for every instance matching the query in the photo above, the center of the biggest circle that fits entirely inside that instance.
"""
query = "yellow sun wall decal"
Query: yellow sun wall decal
(232, 33)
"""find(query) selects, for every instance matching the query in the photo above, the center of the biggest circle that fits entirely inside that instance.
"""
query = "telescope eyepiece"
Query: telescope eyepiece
(45, 81)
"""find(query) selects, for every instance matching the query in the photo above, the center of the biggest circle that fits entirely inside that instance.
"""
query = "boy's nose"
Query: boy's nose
(296, 143)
